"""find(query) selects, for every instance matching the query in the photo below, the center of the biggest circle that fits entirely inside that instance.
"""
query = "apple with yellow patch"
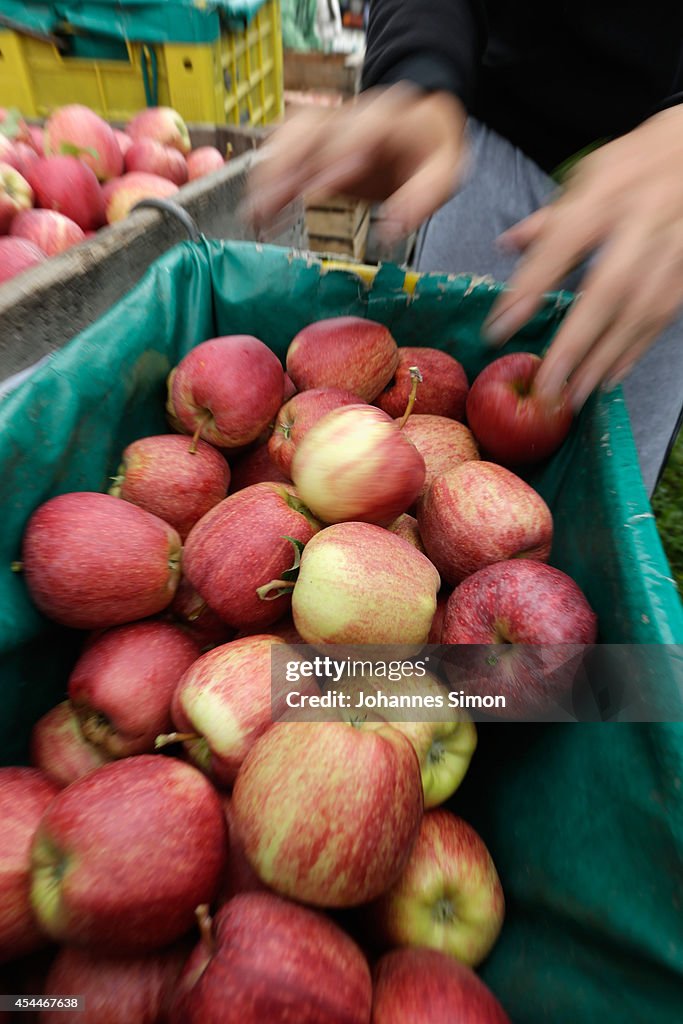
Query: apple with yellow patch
(360, 584)
(355, 464)
(328, 811)
(443, 738)
(227, 700)
(449, 896)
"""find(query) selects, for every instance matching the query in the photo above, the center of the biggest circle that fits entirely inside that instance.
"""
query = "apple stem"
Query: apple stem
(416, 378)
(166, 739)
(200, 426)
(286, 586)
(17, 566)
(199, 610)
(205, 922)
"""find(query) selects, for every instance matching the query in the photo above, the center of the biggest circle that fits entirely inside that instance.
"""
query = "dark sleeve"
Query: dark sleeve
(670, 101)
(437, 44)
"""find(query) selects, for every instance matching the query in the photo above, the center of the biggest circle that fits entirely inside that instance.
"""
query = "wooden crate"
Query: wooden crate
(339, 226)
(322, 72)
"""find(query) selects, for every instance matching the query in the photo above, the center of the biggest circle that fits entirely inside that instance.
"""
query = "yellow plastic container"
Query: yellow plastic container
(237, 79)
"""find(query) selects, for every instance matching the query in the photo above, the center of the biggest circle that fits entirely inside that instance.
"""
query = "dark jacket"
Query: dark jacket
(551, 77)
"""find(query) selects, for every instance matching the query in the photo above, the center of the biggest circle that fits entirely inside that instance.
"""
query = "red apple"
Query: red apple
(189, 610)
(92, 561)
(444, 738)
(123, 856)
(264, 960)
(444, 748)
(510, 421)
(239, 876)
(76, 130)
(204, 160)
(115, 990)
(36, 138)
(59, 748)
(343, 352)
(26, 157)
(154, 158)
(227, 699)
(163, 124)
(423, 986)
(290, 389)
(406, 527)
(227, 390)
(131, 188)
(173, 479)
(64, 184)
(109, 188)
(542, 622)
(449, 896)
(17, 255)
(442, 443)
(284, 629)
(9, 154)
(355, 464)
(255, 467)
(15, 195)
(443, 389)
(124, 140)
(329, 811)
(360, 584)
(50, 231)
(439, 615)
(287, 631)
(296, 418)
(241, 546)
(122, 685)
(480, 513)
(24, 795)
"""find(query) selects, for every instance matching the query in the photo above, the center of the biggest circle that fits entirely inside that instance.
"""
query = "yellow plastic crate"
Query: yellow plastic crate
(238, 79)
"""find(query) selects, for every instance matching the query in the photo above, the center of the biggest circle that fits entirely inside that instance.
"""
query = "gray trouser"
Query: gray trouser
(503, 186)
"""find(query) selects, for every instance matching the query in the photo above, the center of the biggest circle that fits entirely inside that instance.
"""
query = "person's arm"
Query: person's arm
(435, 44)
(402, 141)
(626, 201)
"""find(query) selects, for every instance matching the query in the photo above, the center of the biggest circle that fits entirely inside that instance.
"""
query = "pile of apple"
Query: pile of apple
(60, 183)
(267, 820)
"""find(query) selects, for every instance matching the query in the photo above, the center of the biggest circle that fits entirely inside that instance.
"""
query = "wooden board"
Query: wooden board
(336, 72)
(336, 220)
(346, 246)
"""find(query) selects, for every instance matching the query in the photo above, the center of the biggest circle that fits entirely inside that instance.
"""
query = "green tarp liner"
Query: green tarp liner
(143, 21)
(585, 822)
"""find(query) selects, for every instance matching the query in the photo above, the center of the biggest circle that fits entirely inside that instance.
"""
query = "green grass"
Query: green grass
(668, 507)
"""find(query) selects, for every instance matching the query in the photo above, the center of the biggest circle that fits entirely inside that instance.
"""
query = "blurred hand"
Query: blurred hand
(395, 145)
(625, 199)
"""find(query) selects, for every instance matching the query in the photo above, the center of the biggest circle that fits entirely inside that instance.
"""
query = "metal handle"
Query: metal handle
(173, 210)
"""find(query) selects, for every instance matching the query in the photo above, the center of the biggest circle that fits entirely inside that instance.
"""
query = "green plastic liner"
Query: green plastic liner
(585, 822)
(142, 21)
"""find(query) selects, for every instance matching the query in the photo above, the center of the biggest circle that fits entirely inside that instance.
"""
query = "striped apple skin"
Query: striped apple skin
(355, 464)
(328, 811)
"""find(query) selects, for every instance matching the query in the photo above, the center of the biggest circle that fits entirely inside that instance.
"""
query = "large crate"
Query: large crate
(585, 822)
(234, 78)
(42, 309)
